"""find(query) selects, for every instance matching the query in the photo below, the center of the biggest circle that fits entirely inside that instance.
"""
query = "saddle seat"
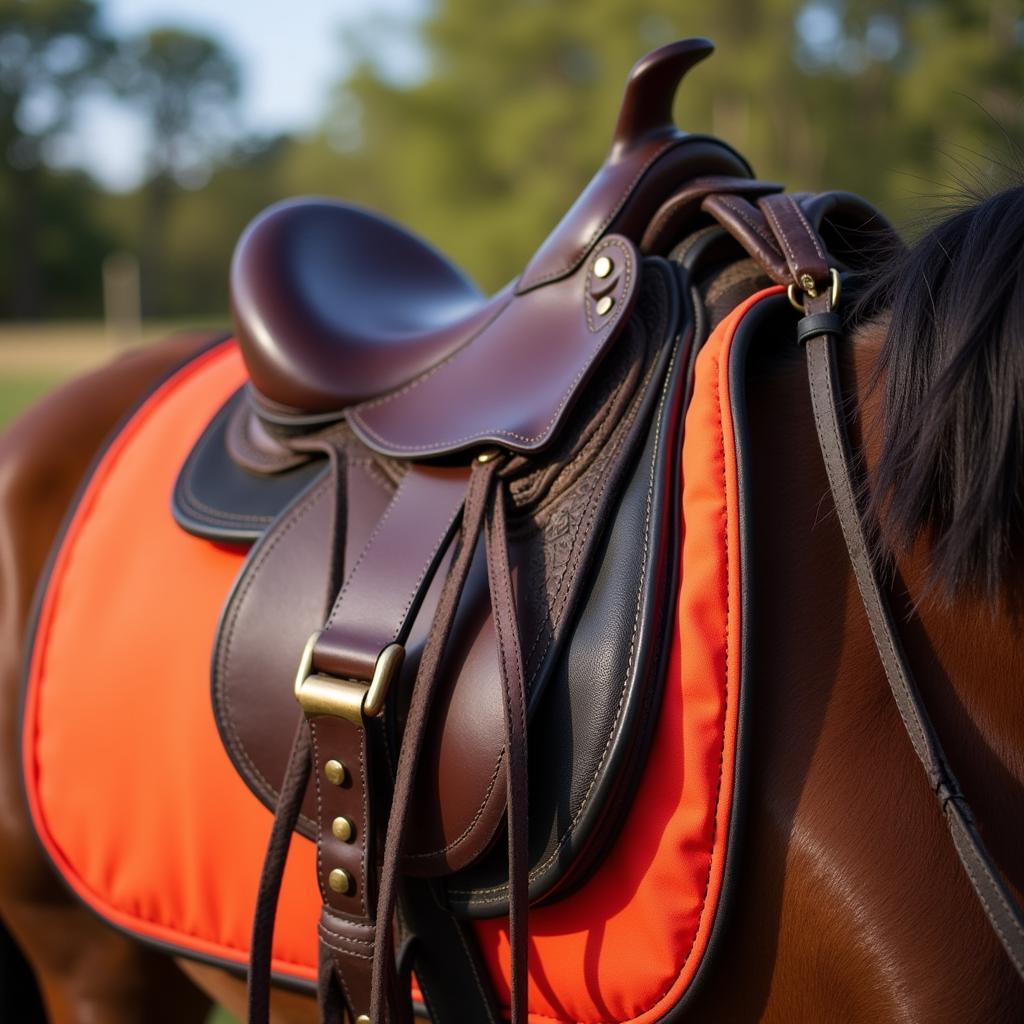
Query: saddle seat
(337, 305)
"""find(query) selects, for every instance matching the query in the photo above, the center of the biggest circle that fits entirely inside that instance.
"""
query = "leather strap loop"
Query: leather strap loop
(800, 243)
(816, 324)
(383, 591)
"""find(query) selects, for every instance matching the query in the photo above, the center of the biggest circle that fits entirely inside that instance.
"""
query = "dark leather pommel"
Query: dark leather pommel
(651, 89)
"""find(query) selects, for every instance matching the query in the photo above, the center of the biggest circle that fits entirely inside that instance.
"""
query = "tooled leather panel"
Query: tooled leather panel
(560, 504)
(607, 678)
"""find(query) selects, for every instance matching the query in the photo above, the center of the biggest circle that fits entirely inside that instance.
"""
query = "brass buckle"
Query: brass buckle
(351, 699)
(811, 291)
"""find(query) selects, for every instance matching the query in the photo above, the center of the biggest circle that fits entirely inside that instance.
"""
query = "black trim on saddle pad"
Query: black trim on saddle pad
(217, 499)
(747, 331)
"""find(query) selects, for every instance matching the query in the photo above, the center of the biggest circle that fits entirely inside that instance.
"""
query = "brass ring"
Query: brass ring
(800, 306)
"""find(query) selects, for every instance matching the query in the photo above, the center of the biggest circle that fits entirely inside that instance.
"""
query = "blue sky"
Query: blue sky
(290, 54)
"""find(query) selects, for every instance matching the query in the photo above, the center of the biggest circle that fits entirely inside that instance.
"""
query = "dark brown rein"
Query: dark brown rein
(819, 332)
(814, 289)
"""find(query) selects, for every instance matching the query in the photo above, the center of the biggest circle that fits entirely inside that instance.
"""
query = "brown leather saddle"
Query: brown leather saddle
(464, 510)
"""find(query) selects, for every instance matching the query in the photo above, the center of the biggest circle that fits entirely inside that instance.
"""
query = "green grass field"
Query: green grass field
(19, 391)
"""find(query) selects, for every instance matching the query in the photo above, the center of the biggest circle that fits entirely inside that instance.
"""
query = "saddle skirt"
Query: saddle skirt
(159, 834)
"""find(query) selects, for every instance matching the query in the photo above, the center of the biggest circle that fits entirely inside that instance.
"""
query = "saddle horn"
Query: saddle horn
(650, 159)
(651, 88)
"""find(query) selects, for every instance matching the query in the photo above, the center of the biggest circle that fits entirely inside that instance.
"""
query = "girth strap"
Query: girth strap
(342, 686)
(998, 904)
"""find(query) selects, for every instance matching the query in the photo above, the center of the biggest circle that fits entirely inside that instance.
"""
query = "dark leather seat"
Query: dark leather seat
(334, 305)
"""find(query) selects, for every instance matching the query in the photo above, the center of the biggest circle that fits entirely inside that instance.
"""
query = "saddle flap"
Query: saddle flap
(562, 506)
(513, 383)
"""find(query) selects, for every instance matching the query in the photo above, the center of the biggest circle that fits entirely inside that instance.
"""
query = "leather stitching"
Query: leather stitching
(811, 233)
(363, 776)
(479, 435)
(319, 810)
(698, 190)
(970, 855)
(730, 204)
(582, 251)
(221, 689)
(427, 374)
(784, 237)
(566, 834)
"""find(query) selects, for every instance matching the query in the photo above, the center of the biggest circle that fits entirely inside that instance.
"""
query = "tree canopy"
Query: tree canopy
(483, 140)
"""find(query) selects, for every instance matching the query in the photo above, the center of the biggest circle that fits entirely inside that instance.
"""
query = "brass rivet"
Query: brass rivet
(335, 772)
(340, 880)
(604, 305)
(363, 1019)
(807, 283)
(602, 267)
(342, 829)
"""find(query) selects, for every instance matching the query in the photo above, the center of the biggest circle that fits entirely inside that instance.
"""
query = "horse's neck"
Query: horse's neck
(968, 658)
(849, 872)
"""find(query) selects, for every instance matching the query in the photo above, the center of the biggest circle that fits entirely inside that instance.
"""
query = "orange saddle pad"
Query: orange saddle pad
(143, 814)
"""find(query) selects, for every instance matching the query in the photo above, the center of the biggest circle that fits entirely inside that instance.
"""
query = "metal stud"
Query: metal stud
(602, 266)
(604, 305)
(363, 1018)
(335, 772)
(341, 828)
(340, 880)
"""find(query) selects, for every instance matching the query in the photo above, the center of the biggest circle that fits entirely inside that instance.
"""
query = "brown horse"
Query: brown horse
(851, 904)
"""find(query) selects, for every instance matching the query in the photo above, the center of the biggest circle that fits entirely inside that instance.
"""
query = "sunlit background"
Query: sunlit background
(140, 136)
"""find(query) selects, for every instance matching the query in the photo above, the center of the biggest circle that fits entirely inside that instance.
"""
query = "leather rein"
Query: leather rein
(813, 288)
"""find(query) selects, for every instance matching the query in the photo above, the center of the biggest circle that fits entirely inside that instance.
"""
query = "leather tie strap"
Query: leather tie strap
(800, 243)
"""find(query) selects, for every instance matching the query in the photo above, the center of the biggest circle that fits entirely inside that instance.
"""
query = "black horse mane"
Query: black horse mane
(952, 367)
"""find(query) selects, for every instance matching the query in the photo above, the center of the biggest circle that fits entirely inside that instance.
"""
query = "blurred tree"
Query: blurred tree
(508, 109)
(478, 124)
(186, 85)
(51, 52)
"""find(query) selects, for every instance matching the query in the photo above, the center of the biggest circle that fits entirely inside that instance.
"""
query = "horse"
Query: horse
(850, 902)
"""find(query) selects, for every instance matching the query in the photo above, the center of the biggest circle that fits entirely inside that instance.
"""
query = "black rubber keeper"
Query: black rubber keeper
(818, 323)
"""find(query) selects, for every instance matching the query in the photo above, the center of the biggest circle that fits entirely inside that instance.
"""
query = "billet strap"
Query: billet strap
(1001, 909)
(484, 510)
